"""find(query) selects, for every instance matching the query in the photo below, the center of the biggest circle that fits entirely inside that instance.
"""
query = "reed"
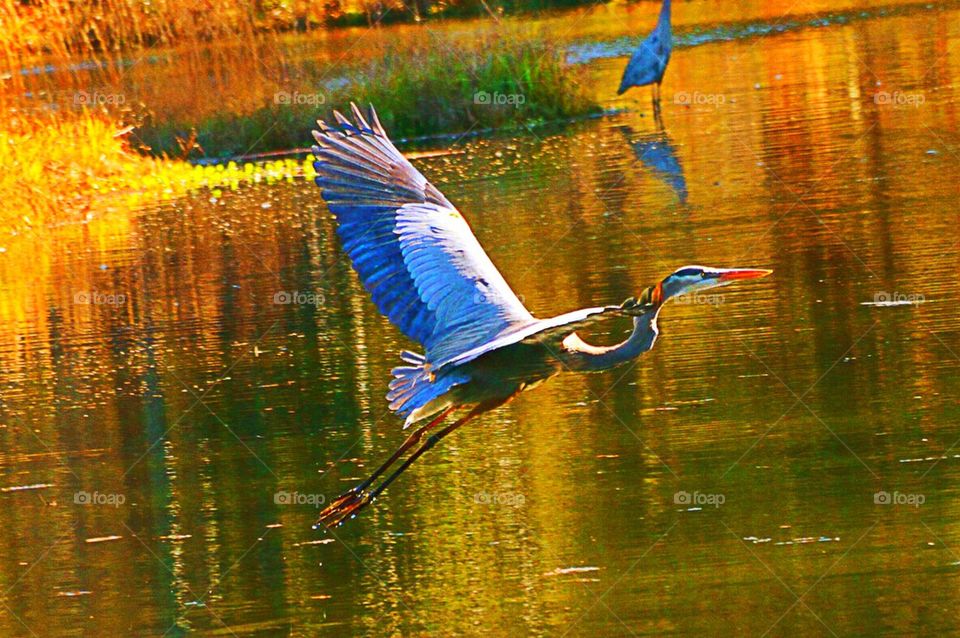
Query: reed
(69, 29)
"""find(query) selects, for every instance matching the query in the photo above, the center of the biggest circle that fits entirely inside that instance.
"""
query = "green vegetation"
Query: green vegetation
(438, 85)
(500, 80)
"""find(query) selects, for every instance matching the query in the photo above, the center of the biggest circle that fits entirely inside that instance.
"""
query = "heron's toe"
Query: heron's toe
(344, 507)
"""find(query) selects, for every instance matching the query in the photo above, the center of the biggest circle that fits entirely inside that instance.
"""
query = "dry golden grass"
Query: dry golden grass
(59, 168)
(67, 171)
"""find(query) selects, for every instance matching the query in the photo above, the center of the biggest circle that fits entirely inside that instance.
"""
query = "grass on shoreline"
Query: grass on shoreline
(437, 85)
(70, 168)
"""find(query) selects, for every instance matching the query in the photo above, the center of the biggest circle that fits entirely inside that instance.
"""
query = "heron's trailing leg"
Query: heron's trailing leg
(356, 499)
(431, 441)
(357, 492)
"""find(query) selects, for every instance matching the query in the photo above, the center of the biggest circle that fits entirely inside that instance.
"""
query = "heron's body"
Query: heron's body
(429, 275)
(649, 61)
(503, 371)
(520, 358)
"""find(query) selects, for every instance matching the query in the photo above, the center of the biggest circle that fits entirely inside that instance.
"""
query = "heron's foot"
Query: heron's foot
(344, 507)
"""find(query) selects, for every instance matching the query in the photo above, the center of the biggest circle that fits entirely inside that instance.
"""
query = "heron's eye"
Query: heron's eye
(703, 274)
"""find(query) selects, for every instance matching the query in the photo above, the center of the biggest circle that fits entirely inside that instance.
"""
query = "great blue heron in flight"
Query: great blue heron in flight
(429, 275)
(649, 62)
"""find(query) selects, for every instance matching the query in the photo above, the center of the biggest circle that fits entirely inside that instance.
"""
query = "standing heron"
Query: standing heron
(649, 62)
(429, 275)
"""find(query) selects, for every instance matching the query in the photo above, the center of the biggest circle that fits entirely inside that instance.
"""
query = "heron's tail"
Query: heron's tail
(406, 379)
(414, 386)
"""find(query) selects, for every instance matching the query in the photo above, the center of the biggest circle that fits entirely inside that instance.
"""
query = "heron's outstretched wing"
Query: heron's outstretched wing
(413, 250)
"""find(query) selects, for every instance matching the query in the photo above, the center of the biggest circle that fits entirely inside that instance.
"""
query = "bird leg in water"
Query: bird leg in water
(656, 104)
(353, 501)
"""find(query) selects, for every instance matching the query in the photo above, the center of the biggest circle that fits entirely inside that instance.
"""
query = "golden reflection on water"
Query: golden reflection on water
(198, 398)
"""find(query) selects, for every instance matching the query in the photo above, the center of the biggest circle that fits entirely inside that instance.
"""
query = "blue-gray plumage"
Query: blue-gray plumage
(426, 272)
(649, 62)
(656, 152)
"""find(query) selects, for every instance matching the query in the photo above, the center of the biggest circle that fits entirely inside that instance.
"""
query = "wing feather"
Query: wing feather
(412, 249)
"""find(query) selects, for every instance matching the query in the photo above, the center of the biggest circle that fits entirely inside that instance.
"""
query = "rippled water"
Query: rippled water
(726, 484)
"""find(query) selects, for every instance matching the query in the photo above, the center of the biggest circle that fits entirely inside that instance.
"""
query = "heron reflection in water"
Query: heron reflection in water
(425, 270)
(656, 152)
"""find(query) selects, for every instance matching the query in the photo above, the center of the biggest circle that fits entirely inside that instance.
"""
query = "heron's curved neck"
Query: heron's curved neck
(585, 357)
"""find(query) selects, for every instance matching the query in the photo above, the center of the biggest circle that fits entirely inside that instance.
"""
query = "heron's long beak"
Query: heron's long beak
(737, 274)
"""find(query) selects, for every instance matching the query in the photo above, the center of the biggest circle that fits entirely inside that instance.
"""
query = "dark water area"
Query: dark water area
(784, 462)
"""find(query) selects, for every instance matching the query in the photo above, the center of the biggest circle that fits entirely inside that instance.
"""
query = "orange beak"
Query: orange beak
(738, 274)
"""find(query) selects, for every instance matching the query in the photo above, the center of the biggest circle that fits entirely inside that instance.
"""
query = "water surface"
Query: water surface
(144, 360)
